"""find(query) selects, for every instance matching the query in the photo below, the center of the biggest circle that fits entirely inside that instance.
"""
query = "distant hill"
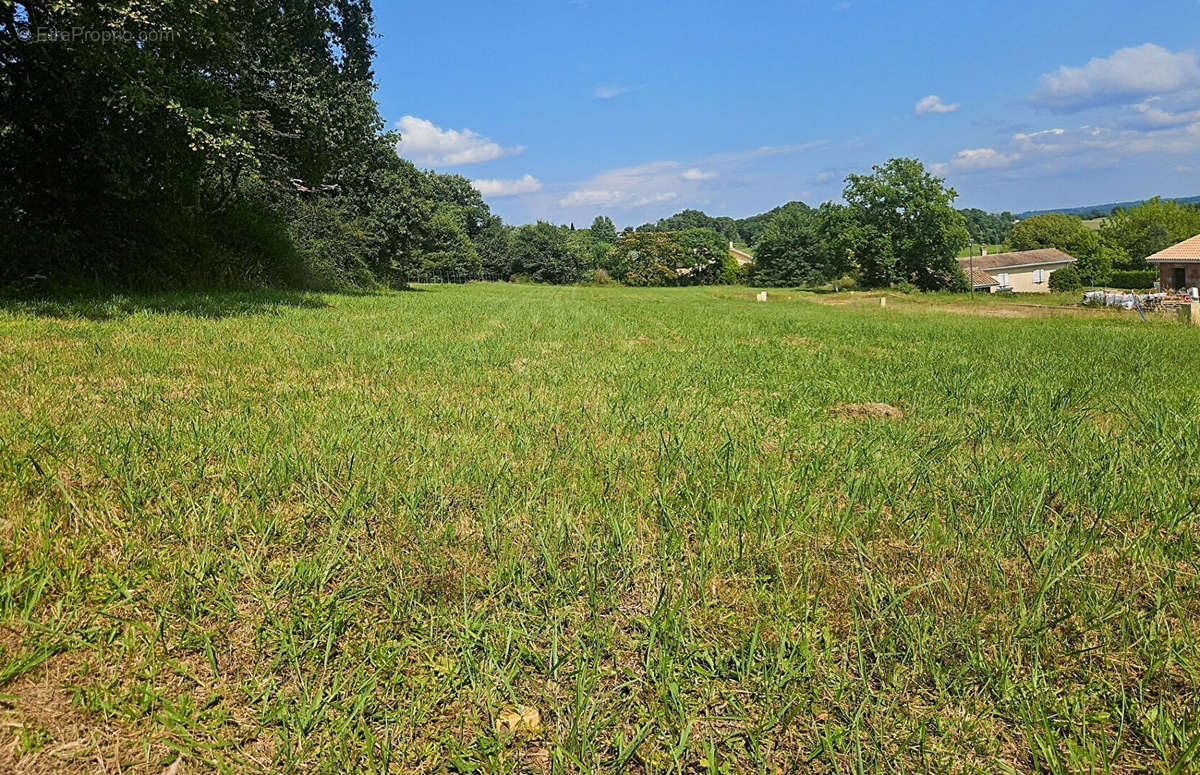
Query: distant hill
(1099, 211)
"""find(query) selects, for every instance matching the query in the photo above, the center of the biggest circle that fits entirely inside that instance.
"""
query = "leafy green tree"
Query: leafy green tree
(457, 190)
(694, 219)
(705, 253)
(651, 258)
(1052, 230)
(805, 247)
(1147, 228)
(162, 128)
(913, 210)
(1069, 234)
(751, 229)
(603, 230)
(494, 244)
(873, 253)
(198, 129)
(449, 252)
(543, 252)
(988, 228)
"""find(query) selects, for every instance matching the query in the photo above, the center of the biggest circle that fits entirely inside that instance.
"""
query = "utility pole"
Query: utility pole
(971, 255)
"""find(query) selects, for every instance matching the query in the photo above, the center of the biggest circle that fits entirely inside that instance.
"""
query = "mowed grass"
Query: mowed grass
(992, 249)
(331, 533)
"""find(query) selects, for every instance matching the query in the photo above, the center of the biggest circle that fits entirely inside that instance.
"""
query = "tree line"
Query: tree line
(983, 227)
(1116, 251)
(214, 144)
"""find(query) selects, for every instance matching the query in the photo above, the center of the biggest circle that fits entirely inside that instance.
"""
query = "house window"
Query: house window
(1178, 277)
(1002, 278)
(1039, 275)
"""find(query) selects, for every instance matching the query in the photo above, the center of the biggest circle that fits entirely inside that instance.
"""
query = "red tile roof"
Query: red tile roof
(981, 279)
(1188, 250)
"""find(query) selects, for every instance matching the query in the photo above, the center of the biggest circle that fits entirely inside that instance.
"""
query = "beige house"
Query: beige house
(1179, 265)
(741, 256)
(1026, 271)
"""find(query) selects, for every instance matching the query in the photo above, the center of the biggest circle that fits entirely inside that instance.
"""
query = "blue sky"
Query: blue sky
(563, 110)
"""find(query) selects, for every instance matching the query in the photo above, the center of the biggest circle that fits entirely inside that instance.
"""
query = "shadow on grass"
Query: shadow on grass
(198, 304)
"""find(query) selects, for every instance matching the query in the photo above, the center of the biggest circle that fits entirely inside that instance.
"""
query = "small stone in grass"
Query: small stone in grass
(524, 718)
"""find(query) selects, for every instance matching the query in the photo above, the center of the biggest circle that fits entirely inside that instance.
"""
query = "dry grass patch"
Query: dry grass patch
(885, 411)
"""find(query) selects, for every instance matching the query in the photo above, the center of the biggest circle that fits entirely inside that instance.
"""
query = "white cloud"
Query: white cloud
(527, 184)
(691, 184)
(592, 197)
(425, 143)
(972, 159)
(654, 199)
(1036, 141)
(614, 198)
(1055, 151)
(608, 91)
(1129, 74)
(934, 104)
(764, 151)
(627, 186)
(1149, 115)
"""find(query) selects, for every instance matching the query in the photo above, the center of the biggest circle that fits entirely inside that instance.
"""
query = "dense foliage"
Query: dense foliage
(1147, 228)
(694, 219)
(543, 252)
(232, 143)
(689, 257)
(1122, 243)
(1132, 279)
(603, 229)
(988, 228)
(1065, 279)
(805, 247)
(751, 229)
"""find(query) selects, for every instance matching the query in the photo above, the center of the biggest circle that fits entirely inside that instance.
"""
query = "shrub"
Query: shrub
(1065, 279)
(1133, 279)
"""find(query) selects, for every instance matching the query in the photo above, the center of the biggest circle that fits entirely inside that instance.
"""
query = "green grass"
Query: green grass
(331, 533)
(991, 249)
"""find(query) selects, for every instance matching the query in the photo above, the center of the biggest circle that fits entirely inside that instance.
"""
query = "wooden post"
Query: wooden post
(1189, 314)
(883, 301)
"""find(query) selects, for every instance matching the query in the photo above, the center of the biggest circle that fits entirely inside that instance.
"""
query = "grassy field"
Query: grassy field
(336, 533)
(991, 249)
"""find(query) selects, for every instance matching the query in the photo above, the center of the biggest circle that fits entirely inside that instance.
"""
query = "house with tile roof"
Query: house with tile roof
(1025, 271)
(1179, 265)
(741, 256)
